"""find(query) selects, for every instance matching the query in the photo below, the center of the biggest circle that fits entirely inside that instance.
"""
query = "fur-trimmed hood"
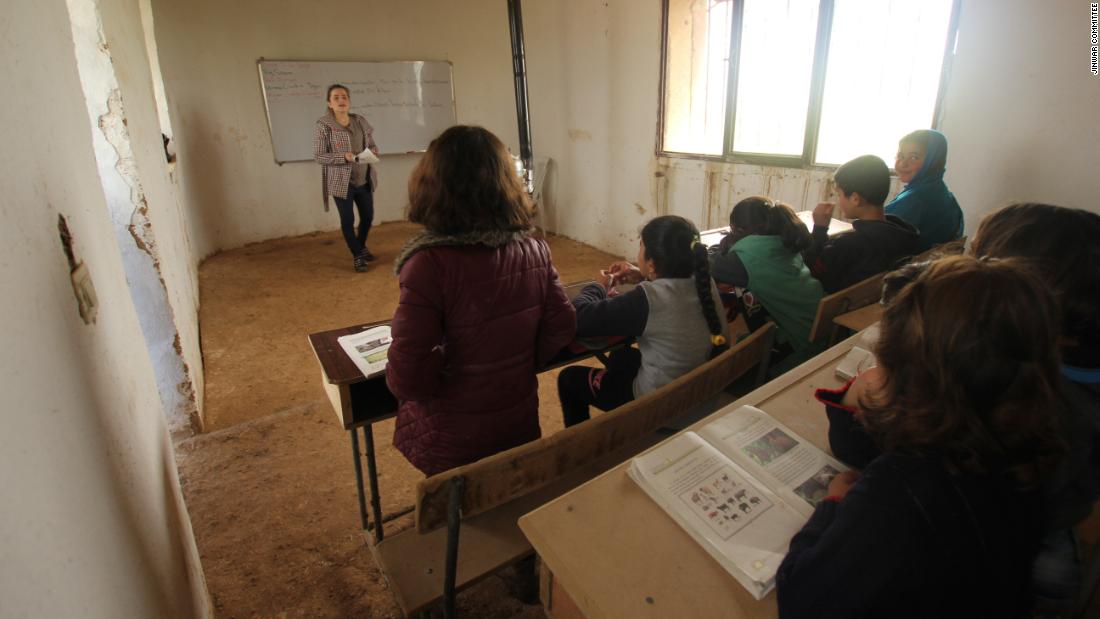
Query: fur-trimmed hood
(426, 239)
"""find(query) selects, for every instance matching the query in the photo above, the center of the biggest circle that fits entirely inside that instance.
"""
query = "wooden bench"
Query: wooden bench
(859, 318)
(486, 498)
(950, 248)
(853, 297)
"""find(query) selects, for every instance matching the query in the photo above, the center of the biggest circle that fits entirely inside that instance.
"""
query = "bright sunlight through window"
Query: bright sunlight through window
(876, 79)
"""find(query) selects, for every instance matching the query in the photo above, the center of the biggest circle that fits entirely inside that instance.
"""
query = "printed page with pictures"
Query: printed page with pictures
(368, 349)
(793, 468)
(740, 522)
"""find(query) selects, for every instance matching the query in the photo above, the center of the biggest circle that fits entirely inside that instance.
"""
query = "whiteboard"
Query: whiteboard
(408, 103)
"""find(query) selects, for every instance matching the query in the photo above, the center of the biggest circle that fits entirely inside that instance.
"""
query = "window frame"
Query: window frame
(804, 161)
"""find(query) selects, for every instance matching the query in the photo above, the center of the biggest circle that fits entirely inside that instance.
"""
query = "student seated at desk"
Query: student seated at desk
(761, 260)
(946, 521)
(672, 312)
(926, 202)
(1063, 245)
(481, 308)
(876, 243)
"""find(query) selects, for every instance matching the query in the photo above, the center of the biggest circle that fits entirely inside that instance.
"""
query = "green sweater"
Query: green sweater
(781, 283)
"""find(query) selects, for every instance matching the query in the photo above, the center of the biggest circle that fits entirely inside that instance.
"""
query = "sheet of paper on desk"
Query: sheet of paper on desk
(857, 361)
(368, 349)
(859, 358)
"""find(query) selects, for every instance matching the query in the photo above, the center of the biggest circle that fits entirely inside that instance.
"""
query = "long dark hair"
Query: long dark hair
(466, 182)
(672, 243)
(760, 215)
(1063, 244)
(969, 353)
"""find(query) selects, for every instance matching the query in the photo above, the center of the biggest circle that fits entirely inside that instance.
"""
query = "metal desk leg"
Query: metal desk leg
(450, 565)
(372, 475)
(358, 476)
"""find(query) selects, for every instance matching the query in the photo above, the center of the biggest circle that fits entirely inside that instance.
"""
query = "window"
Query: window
(801, 82)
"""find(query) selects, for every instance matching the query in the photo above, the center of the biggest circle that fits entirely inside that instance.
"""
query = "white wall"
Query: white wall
(235, 191)
(1022, 113)
(93, 523)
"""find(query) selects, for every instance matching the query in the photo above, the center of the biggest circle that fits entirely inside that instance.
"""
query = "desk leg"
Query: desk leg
(358, 476)
(372, 475)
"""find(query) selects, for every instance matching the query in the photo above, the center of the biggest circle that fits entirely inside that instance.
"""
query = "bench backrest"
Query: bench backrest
(950, 248)
(497, 479)
(851, 298)
(866, 292)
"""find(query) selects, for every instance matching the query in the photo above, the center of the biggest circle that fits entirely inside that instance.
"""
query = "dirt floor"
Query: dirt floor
(270, 485)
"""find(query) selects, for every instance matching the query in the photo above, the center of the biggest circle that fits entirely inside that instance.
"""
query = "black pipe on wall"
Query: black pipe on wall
(519, 69)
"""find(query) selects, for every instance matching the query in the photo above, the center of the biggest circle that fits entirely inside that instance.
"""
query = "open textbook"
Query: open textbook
(741, 486)
(368, 349)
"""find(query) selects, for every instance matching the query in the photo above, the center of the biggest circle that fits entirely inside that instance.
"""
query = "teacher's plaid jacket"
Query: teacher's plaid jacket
(330, 141)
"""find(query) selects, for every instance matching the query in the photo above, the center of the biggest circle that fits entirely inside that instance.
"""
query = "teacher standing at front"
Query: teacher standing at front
(339, 137)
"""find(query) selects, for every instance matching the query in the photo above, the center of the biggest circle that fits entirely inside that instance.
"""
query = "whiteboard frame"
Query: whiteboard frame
(267, 110)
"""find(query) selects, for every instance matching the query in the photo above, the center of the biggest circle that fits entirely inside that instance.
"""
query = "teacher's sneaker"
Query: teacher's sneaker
(360, 264)
(366, 255)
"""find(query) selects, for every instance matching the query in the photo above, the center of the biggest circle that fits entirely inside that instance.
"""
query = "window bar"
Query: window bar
(948, 58)
(662, 83)
(817, 81)
(737, 22)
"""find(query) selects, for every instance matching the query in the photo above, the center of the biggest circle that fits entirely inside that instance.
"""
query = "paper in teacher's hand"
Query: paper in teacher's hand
(366, 157)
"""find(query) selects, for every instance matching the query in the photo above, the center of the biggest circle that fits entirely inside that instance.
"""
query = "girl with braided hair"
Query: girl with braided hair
(673, 313)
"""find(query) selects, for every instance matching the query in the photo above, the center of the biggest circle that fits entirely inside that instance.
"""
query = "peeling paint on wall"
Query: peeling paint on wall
(660, 186)
(712, 202)
(129, 213)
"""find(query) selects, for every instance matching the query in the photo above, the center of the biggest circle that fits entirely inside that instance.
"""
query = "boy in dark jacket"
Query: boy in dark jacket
(877, 241)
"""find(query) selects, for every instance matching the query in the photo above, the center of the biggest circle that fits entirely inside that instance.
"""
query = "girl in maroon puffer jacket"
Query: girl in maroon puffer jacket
(481, 308)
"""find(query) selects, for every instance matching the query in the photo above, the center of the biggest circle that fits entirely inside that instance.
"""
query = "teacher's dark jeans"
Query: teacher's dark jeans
(363, 198)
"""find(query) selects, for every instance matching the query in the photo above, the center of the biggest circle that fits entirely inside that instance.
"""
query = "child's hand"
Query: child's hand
(823, 214)
(625, 272)
(606, 279)
(843, 482)
(871, 380)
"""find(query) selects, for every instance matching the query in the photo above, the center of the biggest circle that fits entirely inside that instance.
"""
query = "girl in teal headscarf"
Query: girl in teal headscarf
(925, 202)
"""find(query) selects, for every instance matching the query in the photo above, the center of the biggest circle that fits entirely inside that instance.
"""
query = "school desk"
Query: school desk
(360, 402)
(608, 550)
(714, 236)
(860, 319)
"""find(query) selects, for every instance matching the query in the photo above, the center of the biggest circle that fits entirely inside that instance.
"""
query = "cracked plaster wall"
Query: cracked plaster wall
(157, 222)
(94, 522)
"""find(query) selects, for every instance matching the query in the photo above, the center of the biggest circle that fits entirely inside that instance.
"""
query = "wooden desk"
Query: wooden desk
(359, 401)
(714, 236)
(860, 319)
(613, 552)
